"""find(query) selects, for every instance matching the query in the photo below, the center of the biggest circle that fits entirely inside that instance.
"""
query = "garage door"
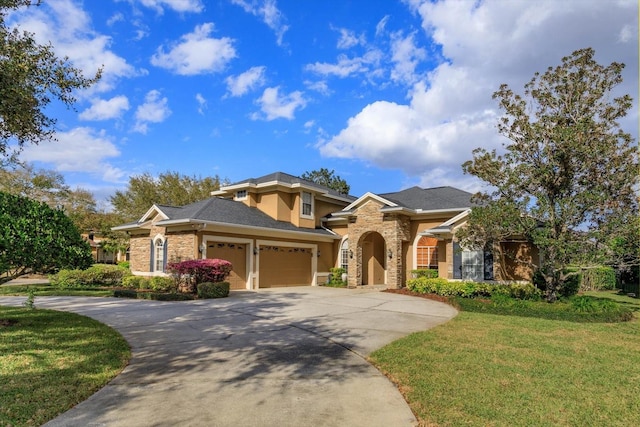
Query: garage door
(284, 266)
(236, 254)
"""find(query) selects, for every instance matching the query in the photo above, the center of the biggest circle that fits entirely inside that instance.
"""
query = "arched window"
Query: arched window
(427, 253)
(159, 255)
(344, 254)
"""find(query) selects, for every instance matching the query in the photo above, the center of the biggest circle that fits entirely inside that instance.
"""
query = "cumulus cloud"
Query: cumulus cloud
(268, 11)
(450, 111)
(155, 109)
(81, 149)
(105, 109)
(196, 53)
(68, 28)
(243, 83)
(273, 105)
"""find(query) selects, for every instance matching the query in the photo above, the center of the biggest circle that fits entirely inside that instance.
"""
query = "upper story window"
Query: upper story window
(306, 207)
(241, 194)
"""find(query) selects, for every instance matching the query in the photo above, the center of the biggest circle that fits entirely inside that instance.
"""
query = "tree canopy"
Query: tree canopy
(35, 238)
(327, 178)
(568, 173)
(31, 75)
(168, 188)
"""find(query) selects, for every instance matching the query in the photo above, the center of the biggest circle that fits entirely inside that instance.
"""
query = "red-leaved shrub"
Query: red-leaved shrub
(192, 272)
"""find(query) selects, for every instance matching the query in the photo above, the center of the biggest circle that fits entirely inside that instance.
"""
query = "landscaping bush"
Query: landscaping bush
(429, 273)
(125, 265)
(569, 287)
(104, 275)
(599, 278)
(155, 296)
(443, 287)
(162, 284)
(192, 272)
(64, 279)
(335, 278)
(213, 290)
(135, 282)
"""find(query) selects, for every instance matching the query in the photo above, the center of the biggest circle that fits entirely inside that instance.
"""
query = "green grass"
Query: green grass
(484, 369)
(51, 361)
(48, 290)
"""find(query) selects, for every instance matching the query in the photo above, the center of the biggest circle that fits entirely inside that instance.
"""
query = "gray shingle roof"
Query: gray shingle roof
(430, 198)
(226, 211)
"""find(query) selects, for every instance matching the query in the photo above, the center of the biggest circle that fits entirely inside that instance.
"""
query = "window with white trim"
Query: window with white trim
(344, 255)
(159, 255)
(427, 253)
(241, 194)
(306, 207)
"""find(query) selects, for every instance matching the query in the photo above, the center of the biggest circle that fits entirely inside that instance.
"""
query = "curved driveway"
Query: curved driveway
(281, 357)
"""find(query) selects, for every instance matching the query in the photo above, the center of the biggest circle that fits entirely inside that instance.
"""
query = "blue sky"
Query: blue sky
(388, 94)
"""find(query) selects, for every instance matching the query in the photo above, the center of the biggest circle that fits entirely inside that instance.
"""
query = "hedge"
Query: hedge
(213, 290)
(443, 287)
(430, 273)
(599, 278)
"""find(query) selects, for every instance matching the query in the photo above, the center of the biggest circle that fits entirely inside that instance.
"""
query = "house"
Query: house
(98, 253)
(281, 230)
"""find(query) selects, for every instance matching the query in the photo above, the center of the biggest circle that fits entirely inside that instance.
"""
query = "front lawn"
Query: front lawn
(51, 361)
(484, 369)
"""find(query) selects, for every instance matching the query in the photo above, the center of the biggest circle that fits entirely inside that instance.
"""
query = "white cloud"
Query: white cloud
(450, 111)
(319, 86)
(202, 103)
(243, 83)
(154, 110)
(276, 106)
(346, 67)
(68, 28)
(268, 11)
(405, 56)
(349, 39)
(105, 109)
(382, 25)
(197, 53)
(176, 5)
(81, 149)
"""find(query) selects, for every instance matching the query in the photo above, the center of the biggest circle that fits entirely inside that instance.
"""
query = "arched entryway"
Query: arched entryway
(374, 260)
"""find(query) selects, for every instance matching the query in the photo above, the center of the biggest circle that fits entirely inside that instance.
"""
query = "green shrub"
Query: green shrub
(135, 282)
(125, 293)
(336, 276)
(599, 278)
(125, 265)
(162, 284)
(65, 279)
(213, 290)
(104, 275)
(571, 285)
(429, 273)
(155, 296)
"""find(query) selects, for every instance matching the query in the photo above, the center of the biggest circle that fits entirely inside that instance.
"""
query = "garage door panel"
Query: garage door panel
(236, 254)
(285, 266)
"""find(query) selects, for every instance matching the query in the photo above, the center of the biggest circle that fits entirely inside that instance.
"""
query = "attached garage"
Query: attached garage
(236, 254)
(285, 266)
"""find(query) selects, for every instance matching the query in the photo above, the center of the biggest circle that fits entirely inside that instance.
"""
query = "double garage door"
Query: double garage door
(277, 265)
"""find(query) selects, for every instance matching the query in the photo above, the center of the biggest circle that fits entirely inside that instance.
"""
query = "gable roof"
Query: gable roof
(216, 210)
(286, 180)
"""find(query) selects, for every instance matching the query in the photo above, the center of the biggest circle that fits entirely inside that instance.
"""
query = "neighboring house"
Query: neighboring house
(281, 230)
(98, 254)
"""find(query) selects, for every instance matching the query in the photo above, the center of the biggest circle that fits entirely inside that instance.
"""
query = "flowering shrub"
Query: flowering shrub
(190, 273)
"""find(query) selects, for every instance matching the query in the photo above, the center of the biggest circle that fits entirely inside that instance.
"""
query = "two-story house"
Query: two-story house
(281, 230)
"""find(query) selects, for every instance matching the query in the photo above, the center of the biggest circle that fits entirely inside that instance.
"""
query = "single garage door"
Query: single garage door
(284, 266)
(236, 254)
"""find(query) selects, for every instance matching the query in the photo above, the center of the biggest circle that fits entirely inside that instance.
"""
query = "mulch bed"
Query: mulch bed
(434, 297)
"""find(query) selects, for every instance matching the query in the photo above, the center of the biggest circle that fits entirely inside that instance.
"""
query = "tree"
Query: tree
(169, 188)
(31, 75)
(49, 187)
(327, 178)
(34, 238)
(568, 171)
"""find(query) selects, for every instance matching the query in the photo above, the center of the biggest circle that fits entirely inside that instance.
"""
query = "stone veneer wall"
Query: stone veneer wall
(395, 229)
(139, 250)
(182, 246)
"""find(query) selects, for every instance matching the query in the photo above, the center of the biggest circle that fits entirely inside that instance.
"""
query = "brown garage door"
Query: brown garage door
(284, 266)
(236, 254)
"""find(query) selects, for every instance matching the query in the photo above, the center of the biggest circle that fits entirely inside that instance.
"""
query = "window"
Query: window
(241, 194)
(344, 255)
(427, 253)
(307, 204)
(159, 255)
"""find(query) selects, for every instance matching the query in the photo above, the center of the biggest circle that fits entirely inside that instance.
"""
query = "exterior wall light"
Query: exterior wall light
(255, 250)
(350, 254)
(390, 254)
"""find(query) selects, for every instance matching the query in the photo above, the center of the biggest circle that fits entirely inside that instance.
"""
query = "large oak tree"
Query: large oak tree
(568, 172)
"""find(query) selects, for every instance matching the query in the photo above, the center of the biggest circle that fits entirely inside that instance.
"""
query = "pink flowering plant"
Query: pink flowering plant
(192, 272)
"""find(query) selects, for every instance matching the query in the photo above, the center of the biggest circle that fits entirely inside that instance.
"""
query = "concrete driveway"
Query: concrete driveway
(281, 357)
